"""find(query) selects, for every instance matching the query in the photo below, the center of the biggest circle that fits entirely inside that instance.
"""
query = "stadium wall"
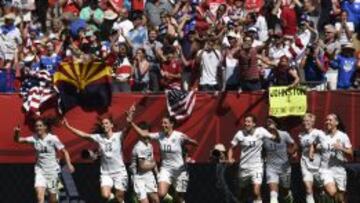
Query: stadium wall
(214, 120)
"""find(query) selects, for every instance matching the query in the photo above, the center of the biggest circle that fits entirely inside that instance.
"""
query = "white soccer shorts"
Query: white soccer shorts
(144, 185)
(334, 175)
(250, 176)
(118, 180)
(179, 178)
(48, 181)
(277, 176)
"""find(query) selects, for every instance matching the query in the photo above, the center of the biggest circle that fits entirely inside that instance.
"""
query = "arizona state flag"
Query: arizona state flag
(84, 84)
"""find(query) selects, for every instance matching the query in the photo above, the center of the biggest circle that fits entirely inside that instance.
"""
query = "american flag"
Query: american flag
(180, 103)
(36, 89)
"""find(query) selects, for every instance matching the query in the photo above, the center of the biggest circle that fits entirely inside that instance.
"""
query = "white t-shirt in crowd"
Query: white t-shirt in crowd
(210, 62)
(343, 37)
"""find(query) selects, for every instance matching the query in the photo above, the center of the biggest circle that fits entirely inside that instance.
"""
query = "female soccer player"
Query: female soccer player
(278, 168)
(112, 170)
(47, 168)
(250, 140)
(173, 169)
(143, 167)
(334, 148)
(309, 165)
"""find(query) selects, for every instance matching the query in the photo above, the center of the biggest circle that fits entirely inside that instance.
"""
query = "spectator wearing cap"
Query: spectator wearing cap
(10, 37)
(154, 8)
(153, 48)
(138, 35)
(346, 65)
(344, 28)
(93, 15)
(232, 78)
(171, 68)
(210, 60)
(106, 27)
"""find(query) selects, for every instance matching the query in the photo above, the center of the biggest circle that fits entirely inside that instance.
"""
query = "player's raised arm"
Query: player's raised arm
(77, 132)
(129, 118)
(139, 131)
(17, 136)
(189, 141)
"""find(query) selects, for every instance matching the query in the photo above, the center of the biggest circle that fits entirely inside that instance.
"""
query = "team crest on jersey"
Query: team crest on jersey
(173, 140)
(48, 142)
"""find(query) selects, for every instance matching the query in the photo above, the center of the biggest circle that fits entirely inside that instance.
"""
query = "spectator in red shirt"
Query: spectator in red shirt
(287, 17)
(170, 69)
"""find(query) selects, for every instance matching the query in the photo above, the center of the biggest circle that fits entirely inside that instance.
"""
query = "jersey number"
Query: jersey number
(167, 148)
(108, 147)
(43, 149)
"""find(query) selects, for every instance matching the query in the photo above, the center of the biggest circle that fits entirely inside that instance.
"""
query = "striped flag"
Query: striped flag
(180, 103)
(36, 90)
(85, 84)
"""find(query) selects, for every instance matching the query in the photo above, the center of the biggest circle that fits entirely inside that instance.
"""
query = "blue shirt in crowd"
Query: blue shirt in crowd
(7, 79)
(346, 69)
(50, 63)
(312, 72)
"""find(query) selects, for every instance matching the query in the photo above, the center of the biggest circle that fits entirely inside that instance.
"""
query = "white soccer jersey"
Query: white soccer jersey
(171, 149)
(111, 152)
(251, 146)
(276, 152)
(46, 161)
(144, 151)
(330, 157)
(306, 140)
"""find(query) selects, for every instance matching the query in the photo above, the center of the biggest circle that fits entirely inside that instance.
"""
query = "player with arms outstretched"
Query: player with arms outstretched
(47, 168)
(112, 170)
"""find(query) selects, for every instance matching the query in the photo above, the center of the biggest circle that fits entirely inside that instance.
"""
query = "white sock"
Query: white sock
(310, 198)
(258, 201)
(273, 197)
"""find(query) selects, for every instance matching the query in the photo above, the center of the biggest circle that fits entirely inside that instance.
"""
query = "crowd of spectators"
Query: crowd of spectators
(207, 45)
